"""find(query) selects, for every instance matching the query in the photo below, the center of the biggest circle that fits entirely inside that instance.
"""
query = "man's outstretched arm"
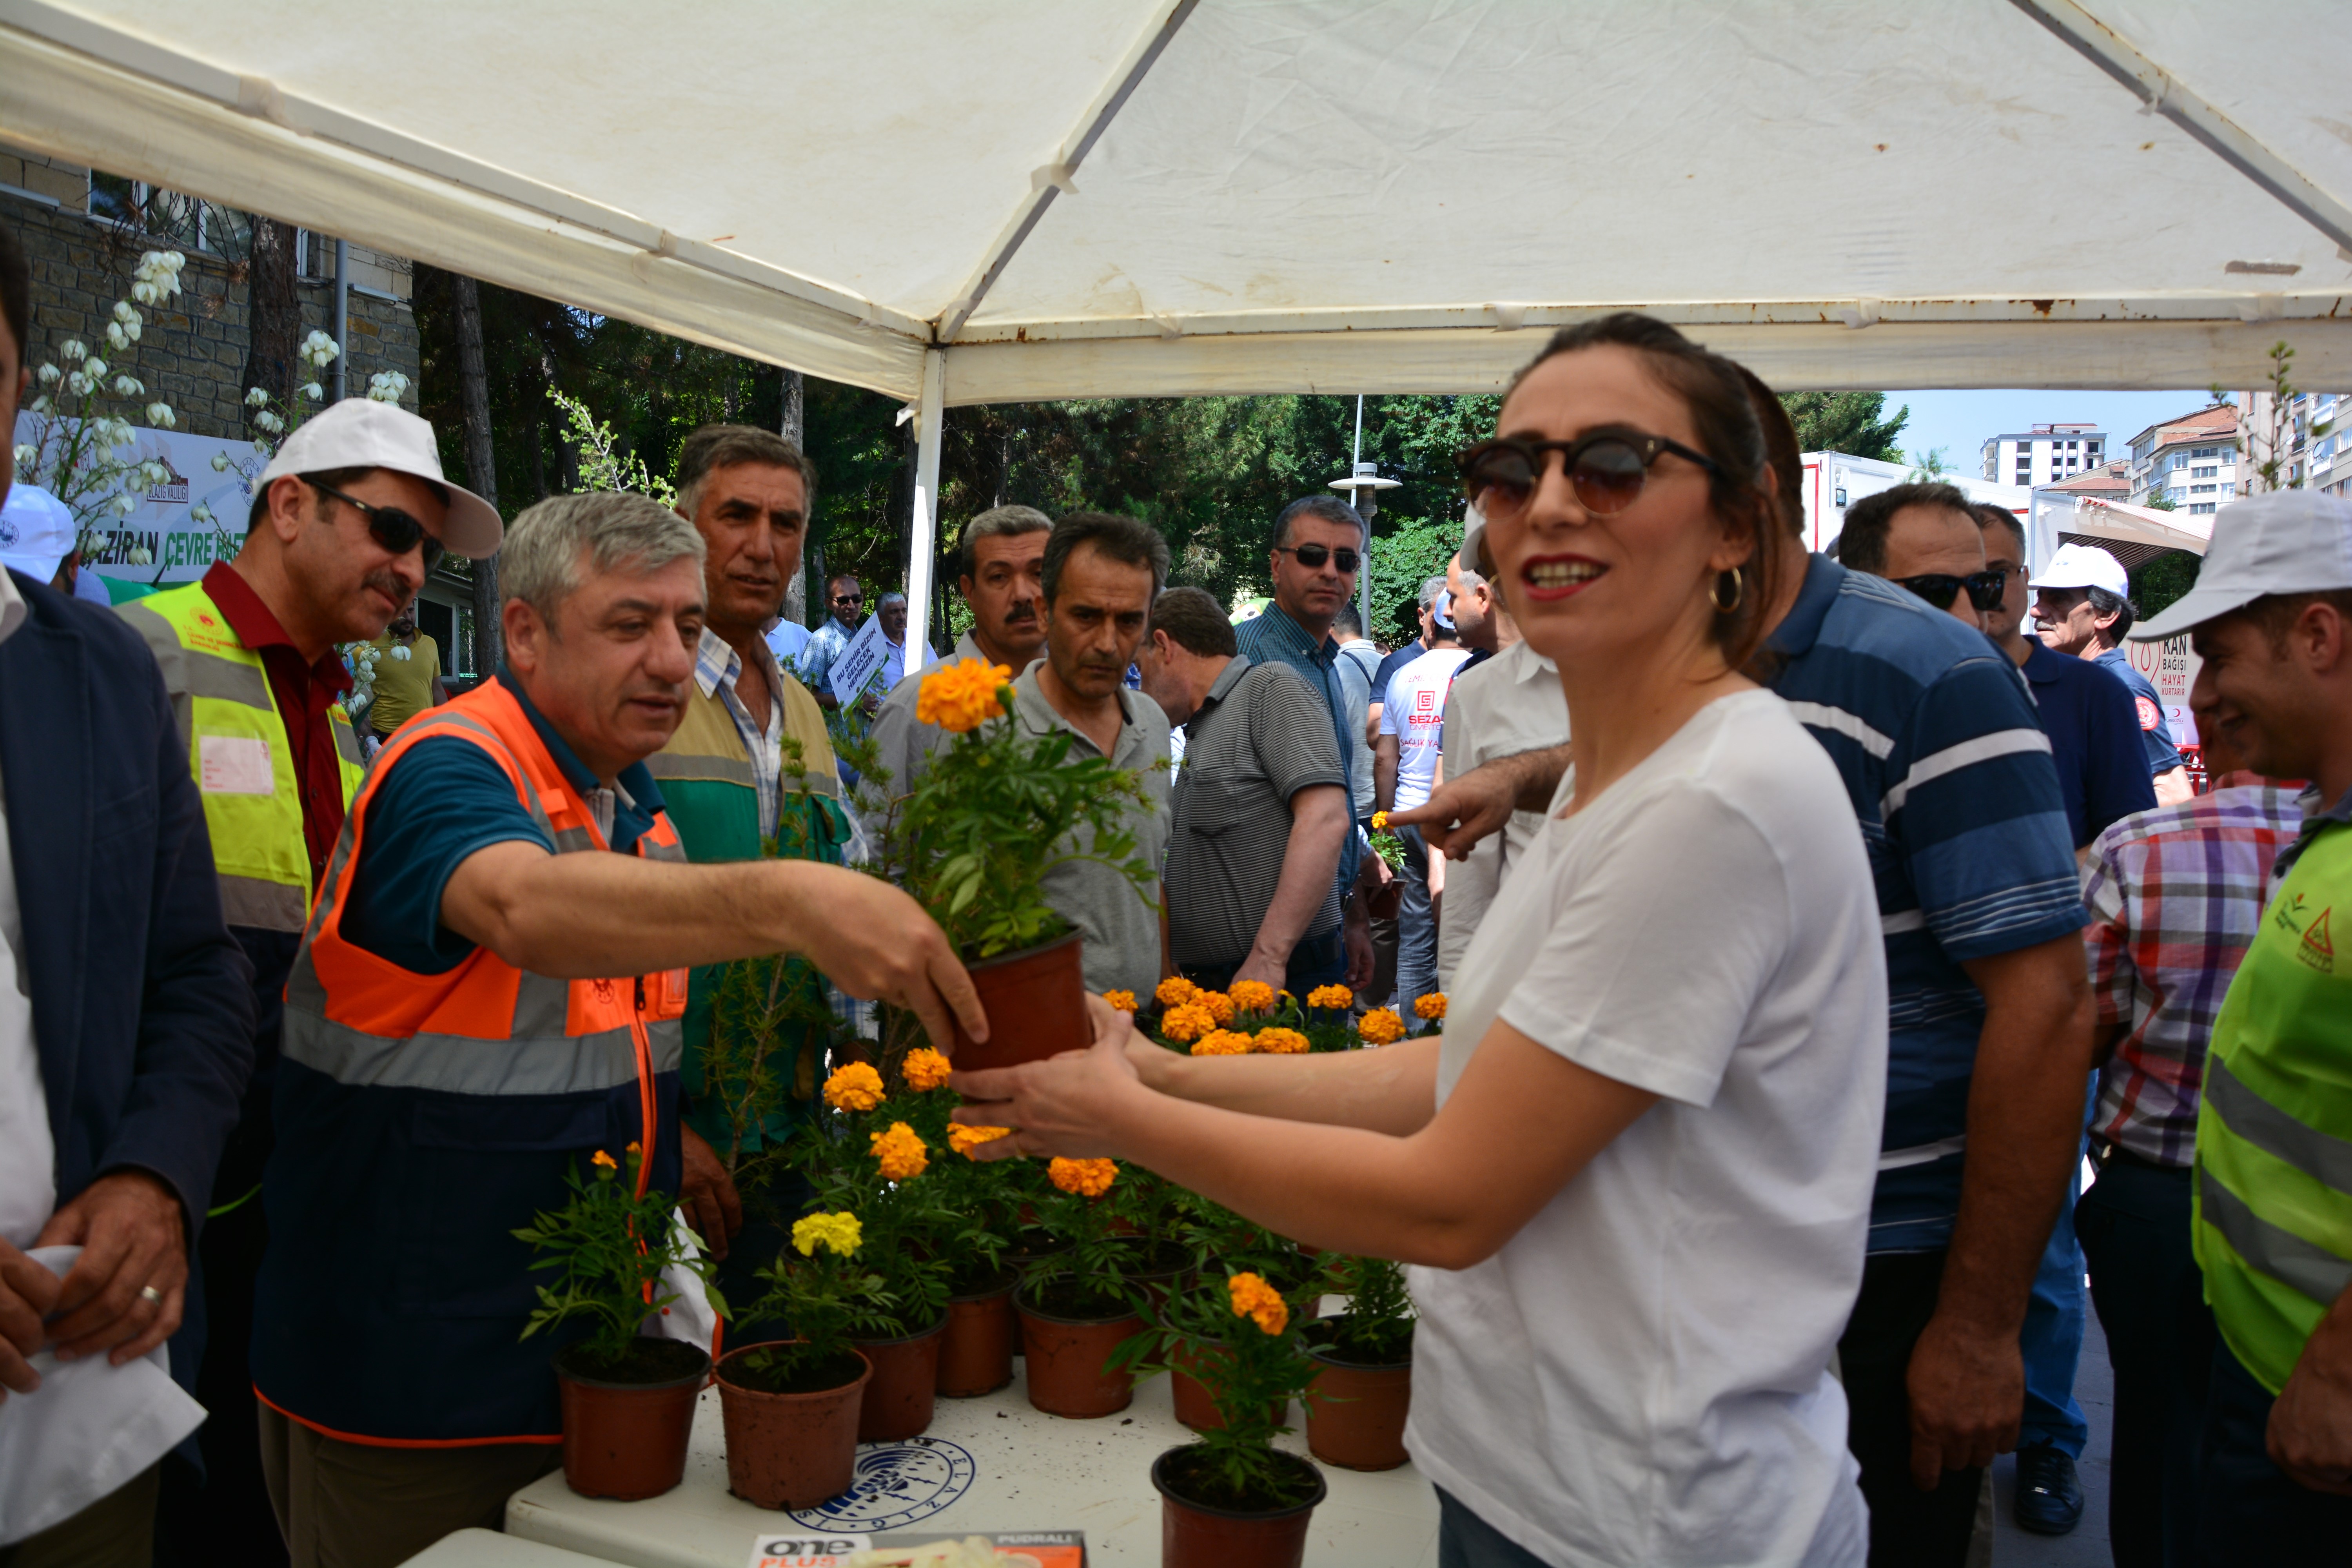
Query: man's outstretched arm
(1460, 812)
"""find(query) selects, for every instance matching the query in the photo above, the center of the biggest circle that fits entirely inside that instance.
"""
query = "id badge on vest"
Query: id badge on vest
(233, 764)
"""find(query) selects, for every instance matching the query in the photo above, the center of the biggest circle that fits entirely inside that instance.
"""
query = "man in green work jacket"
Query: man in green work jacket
(749, 765)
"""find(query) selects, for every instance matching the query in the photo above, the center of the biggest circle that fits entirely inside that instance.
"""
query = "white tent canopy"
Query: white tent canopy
(2132, 534)
(1062, 198)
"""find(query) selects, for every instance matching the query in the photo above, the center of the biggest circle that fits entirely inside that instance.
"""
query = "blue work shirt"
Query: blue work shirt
(444, 799)
(1273, 637)
(2093, 739)
(2154, 738)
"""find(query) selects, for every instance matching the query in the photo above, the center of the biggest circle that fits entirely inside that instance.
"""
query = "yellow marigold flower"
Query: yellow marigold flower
(959, 696)
(1187, 1021)
(836, 1233)
(1259, 1301)
(601, 1158)
(1379, 822)
(925, 1068)
(635, 1149)
(964, 1139)
(1222, 1042)
(1122, 1000)
(1279, 1043)
(901, 1152)
(1251, 996)
(1430, 1007)
(1219, 1005)
(857, 1087)
(1382, 1027)
(1175, 990)
(1090, 1177)
(1337, 996)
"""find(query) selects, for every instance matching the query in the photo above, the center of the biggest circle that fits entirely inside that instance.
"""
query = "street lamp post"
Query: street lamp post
(1363, 487)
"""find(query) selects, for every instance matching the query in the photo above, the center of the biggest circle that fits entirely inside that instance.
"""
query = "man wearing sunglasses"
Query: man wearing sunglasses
(347, 522)
(845, 603)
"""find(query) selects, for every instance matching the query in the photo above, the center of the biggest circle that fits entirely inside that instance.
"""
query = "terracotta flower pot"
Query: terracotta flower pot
(1200, 1535)
(1190, 1380)
(1354, 1412)
(897, 1400)
(626, 1439)
(976, 1352)
(789, 1450)
(1036, 1006)
(1066, 1357)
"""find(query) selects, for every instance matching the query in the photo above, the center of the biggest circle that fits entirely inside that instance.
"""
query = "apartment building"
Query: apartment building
(2314, 449)
(2045, 455)
(2190, 463)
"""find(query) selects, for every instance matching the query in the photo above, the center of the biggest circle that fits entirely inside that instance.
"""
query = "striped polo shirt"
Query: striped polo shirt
(1949, 772)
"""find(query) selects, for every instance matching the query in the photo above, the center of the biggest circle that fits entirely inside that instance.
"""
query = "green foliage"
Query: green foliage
(604, 465)
(829, 1297)
(1848, 422)
(612, 1247)
(1927, 468)
(1378, 1324)
(2156, 582)
(915, 1230)
(1389, 847)
(1097, 1260)
(1251, 1377)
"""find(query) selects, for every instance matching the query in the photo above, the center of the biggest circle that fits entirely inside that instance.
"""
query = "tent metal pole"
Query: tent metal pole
(924, 547)
(1364, 567)
(2168, 95)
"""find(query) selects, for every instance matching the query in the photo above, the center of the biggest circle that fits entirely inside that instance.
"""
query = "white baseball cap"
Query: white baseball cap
(2083, 566)
(36, 532)
(361, 433)
(2288, 542)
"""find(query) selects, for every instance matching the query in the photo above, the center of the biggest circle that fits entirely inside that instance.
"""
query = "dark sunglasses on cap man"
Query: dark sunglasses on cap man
(1606, 468)
(1940, 589)
(389, 526)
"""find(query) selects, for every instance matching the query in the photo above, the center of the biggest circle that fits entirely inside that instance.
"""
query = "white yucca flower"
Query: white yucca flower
(114, 338)
(140, 555)
(269, 422)
(200, 512)
(124, 503)
(128, 387)
(387, 386)
(117, 431)
(154, 472)
(42, 404)
(313, 391)
(123, 312)
(220, 462)
(78, 384)
(27, 456)
(161, 414)
(48, 375)
(256, 397)
(72, 349)
(144, 292)
(97, 368)
(130, 330)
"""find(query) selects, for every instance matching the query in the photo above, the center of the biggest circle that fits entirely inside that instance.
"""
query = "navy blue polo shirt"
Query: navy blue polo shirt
(442, 801)
(2095, 740)
(2148, 707)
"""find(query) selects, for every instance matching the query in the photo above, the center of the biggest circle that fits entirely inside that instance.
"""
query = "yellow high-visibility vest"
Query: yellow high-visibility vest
(235, 737)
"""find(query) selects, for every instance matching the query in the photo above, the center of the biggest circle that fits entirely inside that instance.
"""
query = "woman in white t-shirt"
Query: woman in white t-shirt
(1636, 1171)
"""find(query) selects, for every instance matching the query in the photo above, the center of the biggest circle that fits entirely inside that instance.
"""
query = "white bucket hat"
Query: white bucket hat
(2289, 541)
(2083, 566)
(361, 433)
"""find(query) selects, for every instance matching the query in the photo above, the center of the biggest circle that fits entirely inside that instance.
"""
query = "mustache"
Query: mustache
(389, 585)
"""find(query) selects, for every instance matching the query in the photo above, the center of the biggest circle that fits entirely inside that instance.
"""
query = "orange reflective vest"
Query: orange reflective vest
(422, 1118)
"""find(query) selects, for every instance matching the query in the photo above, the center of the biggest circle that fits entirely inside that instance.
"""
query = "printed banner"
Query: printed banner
(180, 547)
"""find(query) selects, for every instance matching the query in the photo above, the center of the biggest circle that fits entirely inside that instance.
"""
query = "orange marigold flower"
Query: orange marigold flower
(901, 1152)
(964, 1139)
(1222, 1042)
(1219, 1005)
(961, 696)
(1430, 1007)
(857, 1087)
(1187, 1021)
(1382, 1027)
(1279, 1043)
(601, 1158)
(925, 1068)
(1122, 1000)
(1251, 996)
(1337, 996)
(1255, 1299)
(1090, 1177)
(1379, 822)
(1175, 990)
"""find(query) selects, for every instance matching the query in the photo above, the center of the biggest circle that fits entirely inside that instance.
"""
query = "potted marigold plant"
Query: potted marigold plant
(1231, 1498)
(1075, 1307)
(1362, 1390)
(628, 1398)
(973, 839)
(791, 1407)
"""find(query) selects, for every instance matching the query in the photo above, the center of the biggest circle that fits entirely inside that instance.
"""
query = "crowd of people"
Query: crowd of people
(1802, 922)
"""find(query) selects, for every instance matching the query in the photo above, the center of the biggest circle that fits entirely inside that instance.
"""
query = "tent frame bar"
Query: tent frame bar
(2166, 94)
(923, 546)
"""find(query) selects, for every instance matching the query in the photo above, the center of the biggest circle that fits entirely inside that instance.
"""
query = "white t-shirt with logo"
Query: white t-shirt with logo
(1414, 712)
(1642, 1374)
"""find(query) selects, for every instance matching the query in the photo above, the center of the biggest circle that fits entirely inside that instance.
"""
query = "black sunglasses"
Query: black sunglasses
(1606, 469)
(1940, 589)
(389, 526)
(849, 598)
(1312, 556)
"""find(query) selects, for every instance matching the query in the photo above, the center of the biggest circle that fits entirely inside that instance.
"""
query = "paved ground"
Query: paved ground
(2088, 1546)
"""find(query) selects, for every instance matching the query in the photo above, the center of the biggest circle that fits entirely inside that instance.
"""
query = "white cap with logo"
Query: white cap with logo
(361, 433)
(36, 533)
(2289, 541)
(2083, 566)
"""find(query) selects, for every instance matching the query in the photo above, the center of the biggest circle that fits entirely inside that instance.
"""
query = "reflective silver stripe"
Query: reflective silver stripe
(1909, 919)
(571, 840)
(347, 745)
(542, 1005)
(670, 852)
(2325, 1159)
(1922, 1154)
(458, 1064)
(725, 770)
(262, 906)
(2285, 1256)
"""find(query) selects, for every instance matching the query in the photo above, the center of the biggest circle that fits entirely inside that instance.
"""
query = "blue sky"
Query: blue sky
(1960, 421)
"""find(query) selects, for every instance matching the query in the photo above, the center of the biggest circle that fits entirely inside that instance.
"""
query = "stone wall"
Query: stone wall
(192, 352)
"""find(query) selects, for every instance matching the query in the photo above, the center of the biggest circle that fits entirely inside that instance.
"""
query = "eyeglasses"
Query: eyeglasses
(389, 526)
(1312, 556)
(1940, 589)
(1606, 469)
(849, 598)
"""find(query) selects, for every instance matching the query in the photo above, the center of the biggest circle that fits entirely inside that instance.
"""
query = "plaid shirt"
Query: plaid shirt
(716, 668)
(2175, 895)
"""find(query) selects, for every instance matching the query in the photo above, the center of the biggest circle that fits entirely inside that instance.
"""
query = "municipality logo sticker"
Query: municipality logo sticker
(896, 1486)
(8, 534)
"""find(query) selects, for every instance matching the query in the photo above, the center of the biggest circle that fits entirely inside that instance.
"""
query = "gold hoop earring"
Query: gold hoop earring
(1738, 592)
